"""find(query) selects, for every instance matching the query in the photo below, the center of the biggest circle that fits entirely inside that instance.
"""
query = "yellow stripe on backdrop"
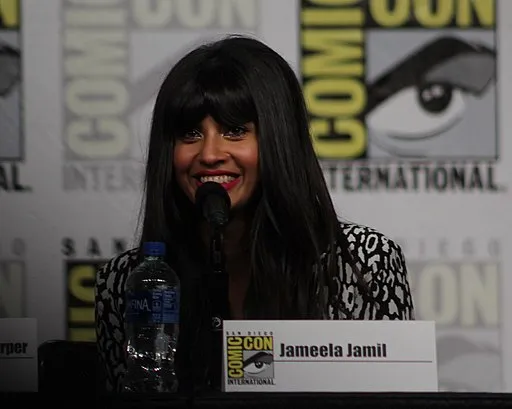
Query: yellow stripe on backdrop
(9, 13)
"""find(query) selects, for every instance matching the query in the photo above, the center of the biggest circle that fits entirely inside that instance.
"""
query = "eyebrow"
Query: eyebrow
(264, 357)
(443, 60)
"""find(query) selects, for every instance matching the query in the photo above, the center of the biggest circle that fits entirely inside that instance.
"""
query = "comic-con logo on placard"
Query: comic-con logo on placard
(115, 56)
(11, 123)
(250, 359)
(402, 95)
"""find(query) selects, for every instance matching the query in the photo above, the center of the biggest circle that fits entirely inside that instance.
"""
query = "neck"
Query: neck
(236, 260)
(234, 237)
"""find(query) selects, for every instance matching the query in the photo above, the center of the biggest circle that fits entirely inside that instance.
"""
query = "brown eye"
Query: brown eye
(190, 136)
(236, 132)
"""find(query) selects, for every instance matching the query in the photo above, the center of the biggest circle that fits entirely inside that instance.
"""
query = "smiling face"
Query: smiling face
(211, 152)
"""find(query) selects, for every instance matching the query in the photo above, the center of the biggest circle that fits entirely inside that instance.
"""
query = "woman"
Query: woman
(233, 112)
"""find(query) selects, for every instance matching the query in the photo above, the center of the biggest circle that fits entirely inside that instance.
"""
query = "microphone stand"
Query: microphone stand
(218, 290)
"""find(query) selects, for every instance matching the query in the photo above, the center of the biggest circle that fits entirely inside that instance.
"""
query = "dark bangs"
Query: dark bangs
(215, 89)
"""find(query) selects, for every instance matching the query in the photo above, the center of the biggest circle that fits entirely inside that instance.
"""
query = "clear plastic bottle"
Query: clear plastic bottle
(152, 323)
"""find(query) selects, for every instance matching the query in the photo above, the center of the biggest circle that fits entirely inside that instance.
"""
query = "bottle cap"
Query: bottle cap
(154, 248)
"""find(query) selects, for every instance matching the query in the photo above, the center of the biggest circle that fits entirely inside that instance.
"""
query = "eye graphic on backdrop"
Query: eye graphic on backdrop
(426, 95)
(9, 69)
(258, 363)
(431, 110)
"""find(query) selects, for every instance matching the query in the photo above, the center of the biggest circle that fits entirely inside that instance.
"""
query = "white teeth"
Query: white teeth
(217, 179)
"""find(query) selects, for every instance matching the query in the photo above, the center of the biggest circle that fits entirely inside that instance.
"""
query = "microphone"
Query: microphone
(214, 203)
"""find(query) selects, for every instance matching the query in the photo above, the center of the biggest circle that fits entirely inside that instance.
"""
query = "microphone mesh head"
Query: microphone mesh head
(211, 188)
(213, 202)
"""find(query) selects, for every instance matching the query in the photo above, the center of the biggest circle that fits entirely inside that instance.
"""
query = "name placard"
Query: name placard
(329, 356)
(18, 355)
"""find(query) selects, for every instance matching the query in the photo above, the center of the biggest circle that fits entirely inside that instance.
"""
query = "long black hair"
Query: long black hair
(295, 230)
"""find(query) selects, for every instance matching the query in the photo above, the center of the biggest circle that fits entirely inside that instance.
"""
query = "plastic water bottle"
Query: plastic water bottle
(152, 323)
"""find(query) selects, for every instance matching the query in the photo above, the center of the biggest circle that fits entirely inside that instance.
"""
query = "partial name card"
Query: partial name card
(18, 355)
(329, 356)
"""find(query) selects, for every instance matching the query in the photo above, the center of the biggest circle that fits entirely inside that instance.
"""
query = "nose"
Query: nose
(212, 151)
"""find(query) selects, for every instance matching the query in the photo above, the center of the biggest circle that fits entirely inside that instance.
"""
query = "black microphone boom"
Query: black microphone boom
(214, 203)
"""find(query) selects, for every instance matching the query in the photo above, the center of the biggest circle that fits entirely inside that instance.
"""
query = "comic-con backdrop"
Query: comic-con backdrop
(410, 107)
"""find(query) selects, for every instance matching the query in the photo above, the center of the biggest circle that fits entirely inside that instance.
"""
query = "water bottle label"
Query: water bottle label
(153, 307)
